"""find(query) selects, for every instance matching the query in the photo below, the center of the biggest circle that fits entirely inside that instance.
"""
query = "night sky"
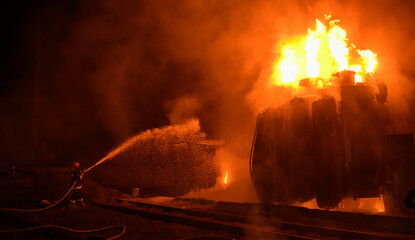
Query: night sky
(80, 77)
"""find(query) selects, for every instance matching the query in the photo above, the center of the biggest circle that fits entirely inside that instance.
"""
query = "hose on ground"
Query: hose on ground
(207, 238)
(69, 229)
(50, 206)
(57, 226)
(40, 209)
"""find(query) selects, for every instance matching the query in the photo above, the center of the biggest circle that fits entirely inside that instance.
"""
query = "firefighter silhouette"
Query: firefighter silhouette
(76, 195)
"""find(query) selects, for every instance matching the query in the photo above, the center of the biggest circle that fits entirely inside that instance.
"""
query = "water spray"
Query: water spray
(181, 131)
(96, 164)
(114, 152)
(176, 134)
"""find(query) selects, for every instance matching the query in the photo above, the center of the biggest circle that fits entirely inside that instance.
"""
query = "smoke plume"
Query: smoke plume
(111, 69)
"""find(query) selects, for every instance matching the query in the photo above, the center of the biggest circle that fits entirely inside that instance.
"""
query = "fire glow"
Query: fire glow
(319, 54)
(226, 178)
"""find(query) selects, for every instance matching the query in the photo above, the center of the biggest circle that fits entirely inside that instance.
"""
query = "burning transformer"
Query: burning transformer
(317, 146)
(331, 142)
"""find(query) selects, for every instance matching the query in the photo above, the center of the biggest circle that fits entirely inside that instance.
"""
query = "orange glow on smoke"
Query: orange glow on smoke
(319, 54)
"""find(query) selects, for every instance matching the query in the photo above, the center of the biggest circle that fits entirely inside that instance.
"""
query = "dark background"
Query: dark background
(80, 77)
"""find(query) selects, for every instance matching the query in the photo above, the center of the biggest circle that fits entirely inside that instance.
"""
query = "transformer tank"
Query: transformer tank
(332, 144)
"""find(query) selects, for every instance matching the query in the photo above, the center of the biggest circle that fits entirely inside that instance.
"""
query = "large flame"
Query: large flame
(319, 54)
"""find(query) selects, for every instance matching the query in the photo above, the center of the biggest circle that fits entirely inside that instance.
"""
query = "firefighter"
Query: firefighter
(76, 195)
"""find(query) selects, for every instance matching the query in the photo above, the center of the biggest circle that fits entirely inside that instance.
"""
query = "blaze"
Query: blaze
(319, 54)
(226, 178)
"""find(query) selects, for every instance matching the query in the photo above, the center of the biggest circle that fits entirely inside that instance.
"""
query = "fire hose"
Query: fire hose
(70, 229)
(50, 206)
(57, 226)
(40, 209)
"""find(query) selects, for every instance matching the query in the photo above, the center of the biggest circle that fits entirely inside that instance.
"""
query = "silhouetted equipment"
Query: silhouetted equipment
(410, 199)
(331, 145)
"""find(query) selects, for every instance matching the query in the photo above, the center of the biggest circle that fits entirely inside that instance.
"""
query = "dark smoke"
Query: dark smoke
(110, 69)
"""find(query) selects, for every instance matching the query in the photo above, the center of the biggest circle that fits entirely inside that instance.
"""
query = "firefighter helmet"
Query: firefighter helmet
(75, 164)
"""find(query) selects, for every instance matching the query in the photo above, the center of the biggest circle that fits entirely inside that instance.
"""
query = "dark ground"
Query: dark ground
(28, 187)
(137, 227)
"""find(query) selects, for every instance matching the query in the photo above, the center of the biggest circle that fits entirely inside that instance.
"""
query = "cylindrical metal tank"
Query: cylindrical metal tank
(324, 146)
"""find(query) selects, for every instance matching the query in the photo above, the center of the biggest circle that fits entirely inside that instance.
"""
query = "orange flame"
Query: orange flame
(318, 55)
(226, 178)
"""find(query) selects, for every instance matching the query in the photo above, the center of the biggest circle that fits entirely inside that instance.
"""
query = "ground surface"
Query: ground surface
(90, 217)
(26, 189)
